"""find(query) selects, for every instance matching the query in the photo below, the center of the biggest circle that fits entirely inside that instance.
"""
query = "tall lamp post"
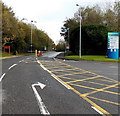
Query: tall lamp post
(80, 31)
(31, 30)
(31, 33)
(68, 46)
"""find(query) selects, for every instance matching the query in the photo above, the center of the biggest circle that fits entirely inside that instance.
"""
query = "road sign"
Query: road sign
(7, 47)
(113, 45)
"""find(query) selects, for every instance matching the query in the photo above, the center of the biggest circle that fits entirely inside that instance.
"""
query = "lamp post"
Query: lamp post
(31, 36)
(80, 31)
(31, 31)
(68, 46)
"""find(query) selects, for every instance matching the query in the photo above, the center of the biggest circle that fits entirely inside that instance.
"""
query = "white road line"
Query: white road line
(42, 106)
(59, 81)
(98, 111)
(43, 67)
(2, 77)
(12, 66)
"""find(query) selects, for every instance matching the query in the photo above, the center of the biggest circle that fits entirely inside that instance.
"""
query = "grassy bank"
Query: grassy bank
(93, 57)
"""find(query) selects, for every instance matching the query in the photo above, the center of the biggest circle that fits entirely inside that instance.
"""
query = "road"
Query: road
(46, 85)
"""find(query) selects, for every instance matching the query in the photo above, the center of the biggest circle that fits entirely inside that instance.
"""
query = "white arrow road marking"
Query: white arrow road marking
(2, 77)
(42, 106)
(12, 66)
(41, 85)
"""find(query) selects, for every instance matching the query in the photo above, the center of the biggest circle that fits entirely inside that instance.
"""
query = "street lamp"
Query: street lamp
(68, 46)
(31, 30)
(31, 33)
(80, 31)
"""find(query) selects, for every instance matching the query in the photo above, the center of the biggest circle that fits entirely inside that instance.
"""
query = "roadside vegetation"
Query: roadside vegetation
(96, 23)
(2, 54)
(93, 58)
(17, 34)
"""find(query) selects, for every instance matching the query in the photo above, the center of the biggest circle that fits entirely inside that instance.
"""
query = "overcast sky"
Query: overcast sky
(49, 14)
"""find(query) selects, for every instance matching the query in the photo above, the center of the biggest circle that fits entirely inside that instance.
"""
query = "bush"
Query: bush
(93, 40)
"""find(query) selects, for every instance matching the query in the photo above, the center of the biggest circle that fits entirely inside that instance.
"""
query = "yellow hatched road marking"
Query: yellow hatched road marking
(73, 74)
(98, 90)
(106, 80)
(56, 67)
(111, 79)
(66, 70)
(84, 79)
(84, 86)
(85, 98)
(96, 83)
(91, 102)
(115, 87)
(111, 92)
(89, 72)
(104, 100)
(83, 95)
(66, 78)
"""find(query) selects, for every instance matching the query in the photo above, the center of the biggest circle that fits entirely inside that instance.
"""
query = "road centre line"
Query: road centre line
(42, 106)
(12, 66)
(2, 76)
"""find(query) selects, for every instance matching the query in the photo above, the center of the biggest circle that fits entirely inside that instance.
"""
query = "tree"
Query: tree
(18, 34)
(96, 23)
(60, 46)
(94, 40)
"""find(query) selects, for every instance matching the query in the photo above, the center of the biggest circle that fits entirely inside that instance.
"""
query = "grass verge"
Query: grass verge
(93, 58)
(10, 55)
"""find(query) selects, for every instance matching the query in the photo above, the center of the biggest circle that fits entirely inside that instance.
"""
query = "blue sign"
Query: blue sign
(113, 45)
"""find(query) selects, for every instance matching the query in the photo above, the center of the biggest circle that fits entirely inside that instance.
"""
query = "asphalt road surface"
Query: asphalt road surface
(45, 85)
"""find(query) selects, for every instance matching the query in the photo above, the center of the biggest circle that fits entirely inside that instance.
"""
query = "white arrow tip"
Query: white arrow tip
(42, 86)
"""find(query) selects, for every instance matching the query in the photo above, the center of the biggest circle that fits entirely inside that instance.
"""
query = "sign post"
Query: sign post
(113, 45)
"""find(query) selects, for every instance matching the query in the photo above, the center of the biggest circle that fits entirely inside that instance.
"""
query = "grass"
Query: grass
(93, 58)
(9, 55)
